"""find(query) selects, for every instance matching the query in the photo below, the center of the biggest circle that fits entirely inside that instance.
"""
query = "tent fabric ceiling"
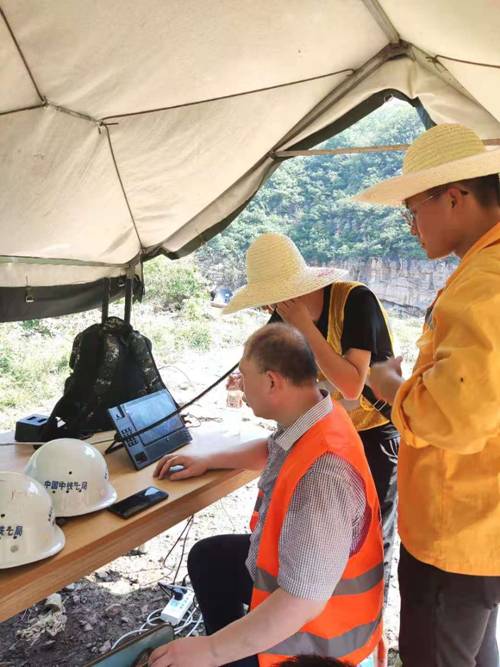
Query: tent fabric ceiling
(128, 128)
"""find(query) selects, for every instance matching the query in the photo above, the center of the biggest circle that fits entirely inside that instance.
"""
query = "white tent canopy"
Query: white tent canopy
(130, 128)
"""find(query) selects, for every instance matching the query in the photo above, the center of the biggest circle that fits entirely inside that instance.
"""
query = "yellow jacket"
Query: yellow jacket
(448, 414)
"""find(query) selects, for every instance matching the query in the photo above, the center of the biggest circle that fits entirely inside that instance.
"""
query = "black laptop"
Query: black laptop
(150, 445)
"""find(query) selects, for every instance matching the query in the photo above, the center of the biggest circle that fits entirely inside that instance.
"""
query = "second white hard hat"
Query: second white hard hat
(28, 531)
(75, 475)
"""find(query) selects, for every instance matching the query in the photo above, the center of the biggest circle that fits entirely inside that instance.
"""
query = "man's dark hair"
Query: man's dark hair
(312, 661)
(486, 189)
(283, 349)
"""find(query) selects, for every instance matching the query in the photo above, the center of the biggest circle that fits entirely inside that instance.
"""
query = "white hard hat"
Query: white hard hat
(75, 475)
(28, 530)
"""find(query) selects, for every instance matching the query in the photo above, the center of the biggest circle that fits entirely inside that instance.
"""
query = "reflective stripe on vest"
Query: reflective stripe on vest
(366, 581)
(306, 643)
(254, 519)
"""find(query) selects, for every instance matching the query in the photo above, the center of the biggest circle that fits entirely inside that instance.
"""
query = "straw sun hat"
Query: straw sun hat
(276, 271)
(444, 154)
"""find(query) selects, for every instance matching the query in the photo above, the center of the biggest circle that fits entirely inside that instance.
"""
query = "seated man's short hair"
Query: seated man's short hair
(283, 349)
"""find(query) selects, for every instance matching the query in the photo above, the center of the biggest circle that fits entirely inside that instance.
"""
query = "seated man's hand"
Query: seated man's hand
(186, 652)
(193, 465)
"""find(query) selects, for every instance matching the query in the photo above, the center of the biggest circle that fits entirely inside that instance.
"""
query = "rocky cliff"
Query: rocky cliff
(407, 283)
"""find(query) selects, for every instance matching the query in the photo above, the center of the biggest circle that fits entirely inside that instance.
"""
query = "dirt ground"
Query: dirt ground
(118, 598)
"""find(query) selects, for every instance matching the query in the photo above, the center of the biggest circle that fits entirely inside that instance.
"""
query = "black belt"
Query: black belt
(379, 405)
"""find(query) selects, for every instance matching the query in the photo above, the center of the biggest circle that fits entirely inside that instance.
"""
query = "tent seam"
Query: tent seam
(122, 186)
(226, 97)
(21, 54)
(435, 61)
(35, 106)
(384, 22)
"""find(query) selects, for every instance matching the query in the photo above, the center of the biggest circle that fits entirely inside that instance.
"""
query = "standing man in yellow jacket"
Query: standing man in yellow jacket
(448, 411)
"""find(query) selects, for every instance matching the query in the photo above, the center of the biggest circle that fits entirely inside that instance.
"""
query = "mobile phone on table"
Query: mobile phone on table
(138, 502)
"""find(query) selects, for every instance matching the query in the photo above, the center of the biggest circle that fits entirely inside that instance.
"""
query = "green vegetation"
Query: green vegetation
(309, 198)
(171, 284)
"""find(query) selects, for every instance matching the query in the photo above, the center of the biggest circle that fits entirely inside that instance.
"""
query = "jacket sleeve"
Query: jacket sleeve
(453, 402)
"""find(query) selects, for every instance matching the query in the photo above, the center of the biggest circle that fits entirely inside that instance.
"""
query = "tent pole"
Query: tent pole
(383, 20)
(105, 300)
(357, 149)
(129, 283)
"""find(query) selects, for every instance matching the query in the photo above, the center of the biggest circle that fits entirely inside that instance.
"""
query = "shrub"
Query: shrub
(195, 308)
(35, 326)
(169, 283)
(196, 335)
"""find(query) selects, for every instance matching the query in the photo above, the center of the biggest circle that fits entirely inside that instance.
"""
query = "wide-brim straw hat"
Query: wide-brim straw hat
(276, 271)
(444, 154)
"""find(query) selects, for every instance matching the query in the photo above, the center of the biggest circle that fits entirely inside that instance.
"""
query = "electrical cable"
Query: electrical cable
(189, 423)
(274, 318)
(180, 371)
(99, 442)
(189, 622)
(190, 523)
(185, 527)
(183, 407)
(198, 622)
(186, 623)
(127, 634)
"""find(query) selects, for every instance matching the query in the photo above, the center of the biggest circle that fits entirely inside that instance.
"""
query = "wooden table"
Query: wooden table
(95, 539)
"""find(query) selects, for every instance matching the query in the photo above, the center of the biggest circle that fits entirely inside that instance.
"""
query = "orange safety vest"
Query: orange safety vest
(350, 626)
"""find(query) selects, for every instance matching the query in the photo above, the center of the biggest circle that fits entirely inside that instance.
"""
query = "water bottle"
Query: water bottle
(234, 403)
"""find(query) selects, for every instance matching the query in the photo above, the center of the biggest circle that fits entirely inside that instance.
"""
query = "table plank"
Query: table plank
(95, 539)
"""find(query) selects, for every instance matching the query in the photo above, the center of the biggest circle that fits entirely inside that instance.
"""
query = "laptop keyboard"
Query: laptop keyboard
(159, 448)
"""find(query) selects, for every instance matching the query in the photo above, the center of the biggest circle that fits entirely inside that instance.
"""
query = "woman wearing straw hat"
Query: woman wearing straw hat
(347, 331)
(448, 410)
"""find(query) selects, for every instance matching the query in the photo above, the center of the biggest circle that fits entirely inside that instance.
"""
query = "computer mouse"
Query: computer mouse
(174, 469)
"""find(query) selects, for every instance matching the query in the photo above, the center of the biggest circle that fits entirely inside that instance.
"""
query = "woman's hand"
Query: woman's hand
(295, 313)
(386, 378)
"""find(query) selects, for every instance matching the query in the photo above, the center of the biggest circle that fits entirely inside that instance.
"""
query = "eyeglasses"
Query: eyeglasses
(410, 215)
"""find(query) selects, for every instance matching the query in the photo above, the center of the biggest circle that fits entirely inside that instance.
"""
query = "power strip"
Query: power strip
(177, 607)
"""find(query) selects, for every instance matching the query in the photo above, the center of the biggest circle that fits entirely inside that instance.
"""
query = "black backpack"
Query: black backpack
(111, 363)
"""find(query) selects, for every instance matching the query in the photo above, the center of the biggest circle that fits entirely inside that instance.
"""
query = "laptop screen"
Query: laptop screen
(130, 418)
(147, 410)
